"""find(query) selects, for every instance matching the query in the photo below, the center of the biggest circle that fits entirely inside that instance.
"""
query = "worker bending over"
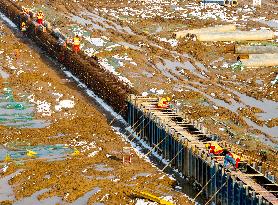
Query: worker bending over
(23, 27)
(163, 102)
(40, 17)
(25, 11)
(76, 44)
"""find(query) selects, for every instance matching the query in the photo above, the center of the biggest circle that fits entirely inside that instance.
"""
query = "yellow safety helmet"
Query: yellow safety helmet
(168, 99)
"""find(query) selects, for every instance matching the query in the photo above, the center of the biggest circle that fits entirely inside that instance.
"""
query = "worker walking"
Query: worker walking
(163, 102)
(40, 17)
(76, 44)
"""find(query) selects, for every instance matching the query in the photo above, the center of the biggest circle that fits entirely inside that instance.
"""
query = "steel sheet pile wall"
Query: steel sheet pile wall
(189, 156)
(87, 69)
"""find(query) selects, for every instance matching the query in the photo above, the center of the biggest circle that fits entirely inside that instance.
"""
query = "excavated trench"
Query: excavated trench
(106, 85)
(87, 69)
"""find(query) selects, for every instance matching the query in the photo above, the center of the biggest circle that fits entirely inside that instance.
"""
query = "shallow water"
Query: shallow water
(49, 152)
(33, 199)
(18, 114)
(103, 167)
(83, 200)
(143, 174)
(6, 191)
(4, 74)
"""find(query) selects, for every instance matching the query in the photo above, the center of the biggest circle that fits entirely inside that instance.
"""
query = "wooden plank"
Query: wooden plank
(256, 187)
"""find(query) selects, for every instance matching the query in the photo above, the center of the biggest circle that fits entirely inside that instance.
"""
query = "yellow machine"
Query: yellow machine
(152, 197)
(76, 152)
(31, 153)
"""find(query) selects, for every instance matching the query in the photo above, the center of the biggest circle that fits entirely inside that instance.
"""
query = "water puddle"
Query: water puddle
(269, 108)
(104, 178)
(270, 131)
(83, 200)
(6, 191)
(103, 167)
(163, 70)
(177, 68)
(147, 74)
(132, 46)
(33, 199)
(270, 23)
(232, 107)
(143, 174)
(96, 18)
(265, 140)
(4, 74)
(18, 114)
(48, 152)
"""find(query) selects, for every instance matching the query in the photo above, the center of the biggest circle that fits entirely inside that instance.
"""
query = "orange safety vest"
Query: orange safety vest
(215, 148)
(23, 26)
(163, 103)
(26, 11)
(76, 41)
(40, 15)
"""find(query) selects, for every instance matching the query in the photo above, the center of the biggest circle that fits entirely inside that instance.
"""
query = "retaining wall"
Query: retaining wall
(182, 143)
(87, 69)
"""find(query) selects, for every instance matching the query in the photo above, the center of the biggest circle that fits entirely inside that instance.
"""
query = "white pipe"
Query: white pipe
(218, 28)
(257, 49)
(236, 36)
(261, 60)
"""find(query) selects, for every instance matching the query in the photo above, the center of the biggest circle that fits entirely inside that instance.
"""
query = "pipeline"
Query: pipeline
(106, 85)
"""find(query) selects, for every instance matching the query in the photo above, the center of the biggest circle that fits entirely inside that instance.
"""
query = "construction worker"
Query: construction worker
(76, 44)
(214, 148)
(40, 17)
(23, 27)
(25, 10)
(163, 102)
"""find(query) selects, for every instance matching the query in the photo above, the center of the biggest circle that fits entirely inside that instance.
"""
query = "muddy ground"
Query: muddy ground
(133, 39)
(79, 155)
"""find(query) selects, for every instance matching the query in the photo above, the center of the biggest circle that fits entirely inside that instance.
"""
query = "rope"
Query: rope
(117, 115)
(216, 193)
(134, 124)
(204, 186)
(139, 131)
(136, 128)
(172, 159)
(156, 146)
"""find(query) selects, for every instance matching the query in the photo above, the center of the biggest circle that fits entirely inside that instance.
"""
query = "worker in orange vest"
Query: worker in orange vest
(25, 10)
(23, 27)
(40, 17)
(76, 43)
(163, 102)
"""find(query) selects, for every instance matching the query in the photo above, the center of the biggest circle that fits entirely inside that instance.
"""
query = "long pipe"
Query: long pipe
(218, 28)
(256, 49)
(261, 60)
(236, 36)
